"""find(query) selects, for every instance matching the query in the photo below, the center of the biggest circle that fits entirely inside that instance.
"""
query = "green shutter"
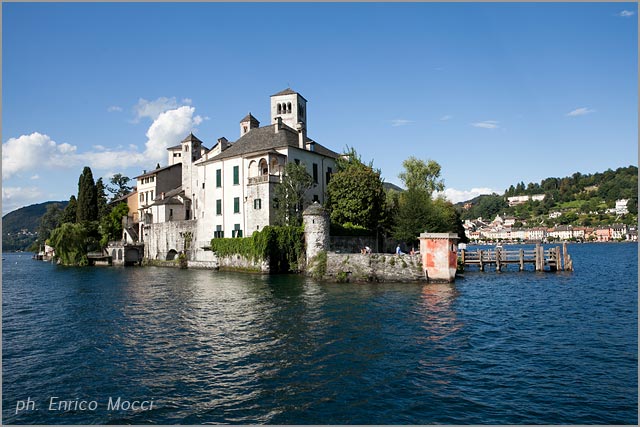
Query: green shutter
(236, 175)
(236, 204)
(219, 207)
(218, 178)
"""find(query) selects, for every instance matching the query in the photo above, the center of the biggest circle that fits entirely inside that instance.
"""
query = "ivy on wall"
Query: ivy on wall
(283, 246)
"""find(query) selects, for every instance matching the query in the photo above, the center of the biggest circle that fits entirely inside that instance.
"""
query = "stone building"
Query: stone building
(228, 190)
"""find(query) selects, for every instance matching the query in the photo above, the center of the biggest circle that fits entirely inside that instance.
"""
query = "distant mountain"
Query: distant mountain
(19, 228)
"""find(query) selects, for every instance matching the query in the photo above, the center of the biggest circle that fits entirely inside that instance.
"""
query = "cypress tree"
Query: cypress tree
(87, 197)
(69, 213)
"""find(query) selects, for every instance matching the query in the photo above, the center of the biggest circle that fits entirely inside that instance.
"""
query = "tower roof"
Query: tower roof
(249, 118)
(288, 91)
(191, 138)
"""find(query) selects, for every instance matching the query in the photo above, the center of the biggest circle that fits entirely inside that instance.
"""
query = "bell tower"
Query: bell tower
(291, 107)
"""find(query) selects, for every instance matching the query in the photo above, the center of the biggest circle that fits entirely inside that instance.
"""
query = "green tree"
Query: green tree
(355, 194)
(103, 206)
(69, 242)
(69, 214)
(87, 197)
(49, 222)
(119, 186)
(413, 216)
(421, 175)
(289, 194)
(111, 224)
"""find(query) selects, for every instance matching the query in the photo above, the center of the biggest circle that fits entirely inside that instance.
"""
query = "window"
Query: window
(315, 198)
(279, 108)
(152, 179)
(236, 175)
(219, 207)
(315, 173)
(170, 214)
(236, 205)
(257, 204)
(288, 107)
(297, 161)
(236, 232)
(218, 178)
(218, 234)
(203, 185)
(151, 195)
(328, 178)
(141, 197)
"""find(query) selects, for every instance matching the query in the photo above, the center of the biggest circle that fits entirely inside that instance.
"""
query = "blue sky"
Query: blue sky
(496, 93)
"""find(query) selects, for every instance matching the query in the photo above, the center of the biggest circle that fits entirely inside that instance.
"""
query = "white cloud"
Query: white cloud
(626, 13)
(187, 101)
(114, 109)
(30, 152)
(400, 122)
(153, 109)
(487, 124)
(16, 197)
(455, 196)
(580, 112)
(36, 176)
(445, 118)
(169, 129)
(37, 152)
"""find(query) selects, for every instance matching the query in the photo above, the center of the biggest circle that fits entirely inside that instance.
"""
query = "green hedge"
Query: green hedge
(283, 246)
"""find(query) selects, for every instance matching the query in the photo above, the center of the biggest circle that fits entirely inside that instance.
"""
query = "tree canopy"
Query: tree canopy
(289, 194)
(87, 197)
(355, 194)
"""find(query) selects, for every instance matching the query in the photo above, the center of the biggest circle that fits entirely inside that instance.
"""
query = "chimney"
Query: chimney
(300, 129)
(278, 126)
(162, 195)
(223, 143)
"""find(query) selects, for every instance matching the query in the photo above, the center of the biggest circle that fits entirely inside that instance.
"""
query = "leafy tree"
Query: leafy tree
(355, 194)
(289, 194)
(413, 216)
(119, 186)
(49, 222)
(69, 214)
(632, 206)
(103, 207)
(87, 197)
(421, 175)
(69, 242)
(111, 224)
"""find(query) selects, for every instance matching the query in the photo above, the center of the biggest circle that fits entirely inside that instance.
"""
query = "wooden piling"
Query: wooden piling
(480, 258)
(521, 259)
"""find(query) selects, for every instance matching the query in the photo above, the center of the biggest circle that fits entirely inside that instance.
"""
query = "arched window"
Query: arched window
(288, 107)
(279, 108)
(263, 167)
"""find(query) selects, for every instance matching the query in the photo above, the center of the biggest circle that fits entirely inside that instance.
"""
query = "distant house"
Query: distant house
(518, 200)
(619, 231)
(537, 233)
(603, 234)
(621, 207)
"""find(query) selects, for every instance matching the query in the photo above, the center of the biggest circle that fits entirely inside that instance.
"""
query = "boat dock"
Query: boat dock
(552, 259)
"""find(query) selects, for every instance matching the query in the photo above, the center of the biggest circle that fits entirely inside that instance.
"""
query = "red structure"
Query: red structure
(439, 256)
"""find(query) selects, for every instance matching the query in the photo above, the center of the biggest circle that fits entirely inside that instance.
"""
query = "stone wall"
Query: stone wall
(161, 239)
(373, 268)
(352, 244)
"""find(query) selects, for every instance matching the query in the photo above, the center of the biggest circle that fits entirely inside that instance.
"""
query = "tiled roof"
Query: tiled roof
(266, 138)
(154, 171)
(249, 118)
(191, 137)
(175, 147)
(288, 91)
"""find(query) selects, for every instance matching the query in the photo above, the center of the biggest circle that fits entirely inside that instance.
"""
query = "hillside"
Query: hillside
(19, 228)
(577, 199)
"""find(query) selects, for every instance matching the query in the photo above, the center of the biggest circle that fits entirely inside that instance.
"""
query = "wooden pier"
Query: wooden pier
(552, 259)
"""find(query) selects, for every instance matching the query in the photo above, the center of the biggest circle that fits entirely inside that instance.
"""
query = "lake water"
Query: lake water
(211, 347)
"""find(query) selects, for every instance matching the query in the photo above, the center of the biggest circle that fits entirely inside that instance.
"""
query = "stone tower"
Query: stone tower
(316, 230)
(191, 152)
(248, 123)
(291, 107)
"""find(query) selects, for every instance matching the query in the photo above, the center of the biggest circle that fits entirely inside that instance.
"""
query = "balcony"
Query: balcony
(261, 179)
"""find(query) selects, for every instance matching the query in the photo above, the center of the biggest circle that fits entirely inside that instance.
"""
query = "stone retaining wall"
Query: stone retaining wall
(374, 268)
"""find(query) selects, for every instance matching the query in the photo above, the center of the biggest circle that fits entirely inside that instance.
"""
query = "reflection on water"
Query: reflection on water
(213, 347)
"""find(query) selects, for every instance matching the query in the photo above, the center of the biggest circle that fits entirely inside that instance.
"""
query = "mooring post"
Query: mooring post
(498, 265)
(462, 255)
(537, 257)
(564, 255)
(521, 259)
(480, 258)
